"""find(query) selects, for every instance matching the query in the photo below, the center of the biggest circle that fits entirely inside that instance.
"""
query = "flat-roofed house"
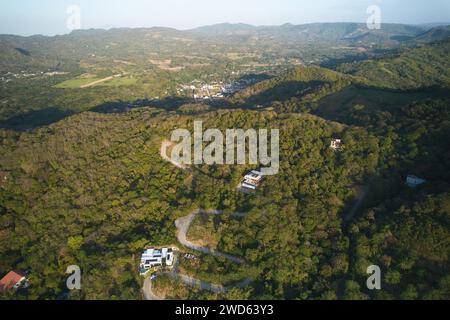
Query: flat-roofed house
(254, 176)
(150, 259)
(252, 180)
(155, 258)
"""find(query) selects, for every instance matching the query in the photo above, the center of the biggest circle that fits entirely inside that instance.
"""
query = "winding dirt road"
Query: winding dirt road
(192, 282)
(183, 224)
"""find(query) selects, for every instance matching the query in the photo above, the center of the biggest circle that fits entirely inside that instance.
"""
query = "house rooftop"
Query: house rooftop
(11, 280)
(336, 144)
(413, 181)
(252, 180)
(153, 258)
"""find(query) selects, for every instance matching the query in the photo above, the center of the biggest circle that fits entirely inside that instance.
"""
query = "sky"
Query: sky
(50, 17)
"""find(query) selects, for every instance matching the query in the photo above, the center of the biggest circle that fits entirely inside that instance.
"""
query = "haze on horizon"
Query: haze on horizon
(49, 17)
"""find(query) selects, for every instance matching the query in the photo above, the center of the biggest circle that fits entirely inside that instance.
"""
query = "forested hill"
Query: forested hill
(421, 67)
(299, 82)
(86, 185)
(95, 192)
(440, 33)
(416, 68)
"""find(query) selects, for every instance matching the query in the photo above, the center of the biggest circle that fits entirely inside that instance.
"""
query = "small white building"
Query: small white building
(336, 144)
(252, 180)
(413, 181)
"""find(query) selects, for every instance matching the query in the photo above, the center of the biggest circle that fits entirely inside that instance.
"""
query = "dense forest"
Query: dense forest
(83, 181)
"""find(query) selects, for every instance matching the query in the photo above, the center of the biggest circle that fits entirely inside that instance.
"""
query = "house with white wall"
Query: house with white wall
(252, 180)
(156, 258)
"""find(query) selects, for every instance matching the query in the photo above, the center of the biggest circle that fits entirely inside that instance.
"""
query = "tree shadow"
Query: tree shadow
(168, 104)
(44, 117)
(35, 119)
(369, 105)
(283, 92)
(253, 78)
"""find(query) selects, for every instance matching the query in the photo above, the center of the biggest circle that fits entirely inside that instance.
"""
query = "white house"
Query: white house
(336, 144)
(155, 258)
(252, 180)
(413, 181)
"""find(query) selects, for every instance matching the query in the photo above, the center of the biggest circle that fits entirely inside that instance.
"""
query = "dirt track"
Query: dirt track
(96, 82)
(183, 224)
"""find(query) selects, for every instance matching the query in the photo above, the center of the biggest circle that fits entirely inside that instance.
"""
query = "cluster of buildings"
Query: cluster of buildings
(252, 180)
(156, 258)
(214, 90)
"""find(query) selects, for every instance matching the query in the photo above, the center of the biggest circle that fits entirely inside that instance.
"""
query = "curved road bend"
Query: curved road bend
(183, 225)
(192, 282)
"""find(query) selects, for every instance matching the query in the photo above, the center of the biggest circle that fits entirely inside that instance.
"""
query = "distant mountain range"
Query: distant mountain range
(356, 32)
(135, 44)
(328, 31)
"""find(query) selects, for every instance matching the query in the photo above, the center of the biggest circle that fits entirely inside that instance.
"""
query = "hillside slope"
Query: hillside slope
(299, 82)
(421, 67)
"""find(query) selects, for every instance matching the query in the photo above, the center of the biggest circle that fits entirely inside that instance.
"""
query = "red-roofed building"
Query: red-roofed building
(13, 280)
